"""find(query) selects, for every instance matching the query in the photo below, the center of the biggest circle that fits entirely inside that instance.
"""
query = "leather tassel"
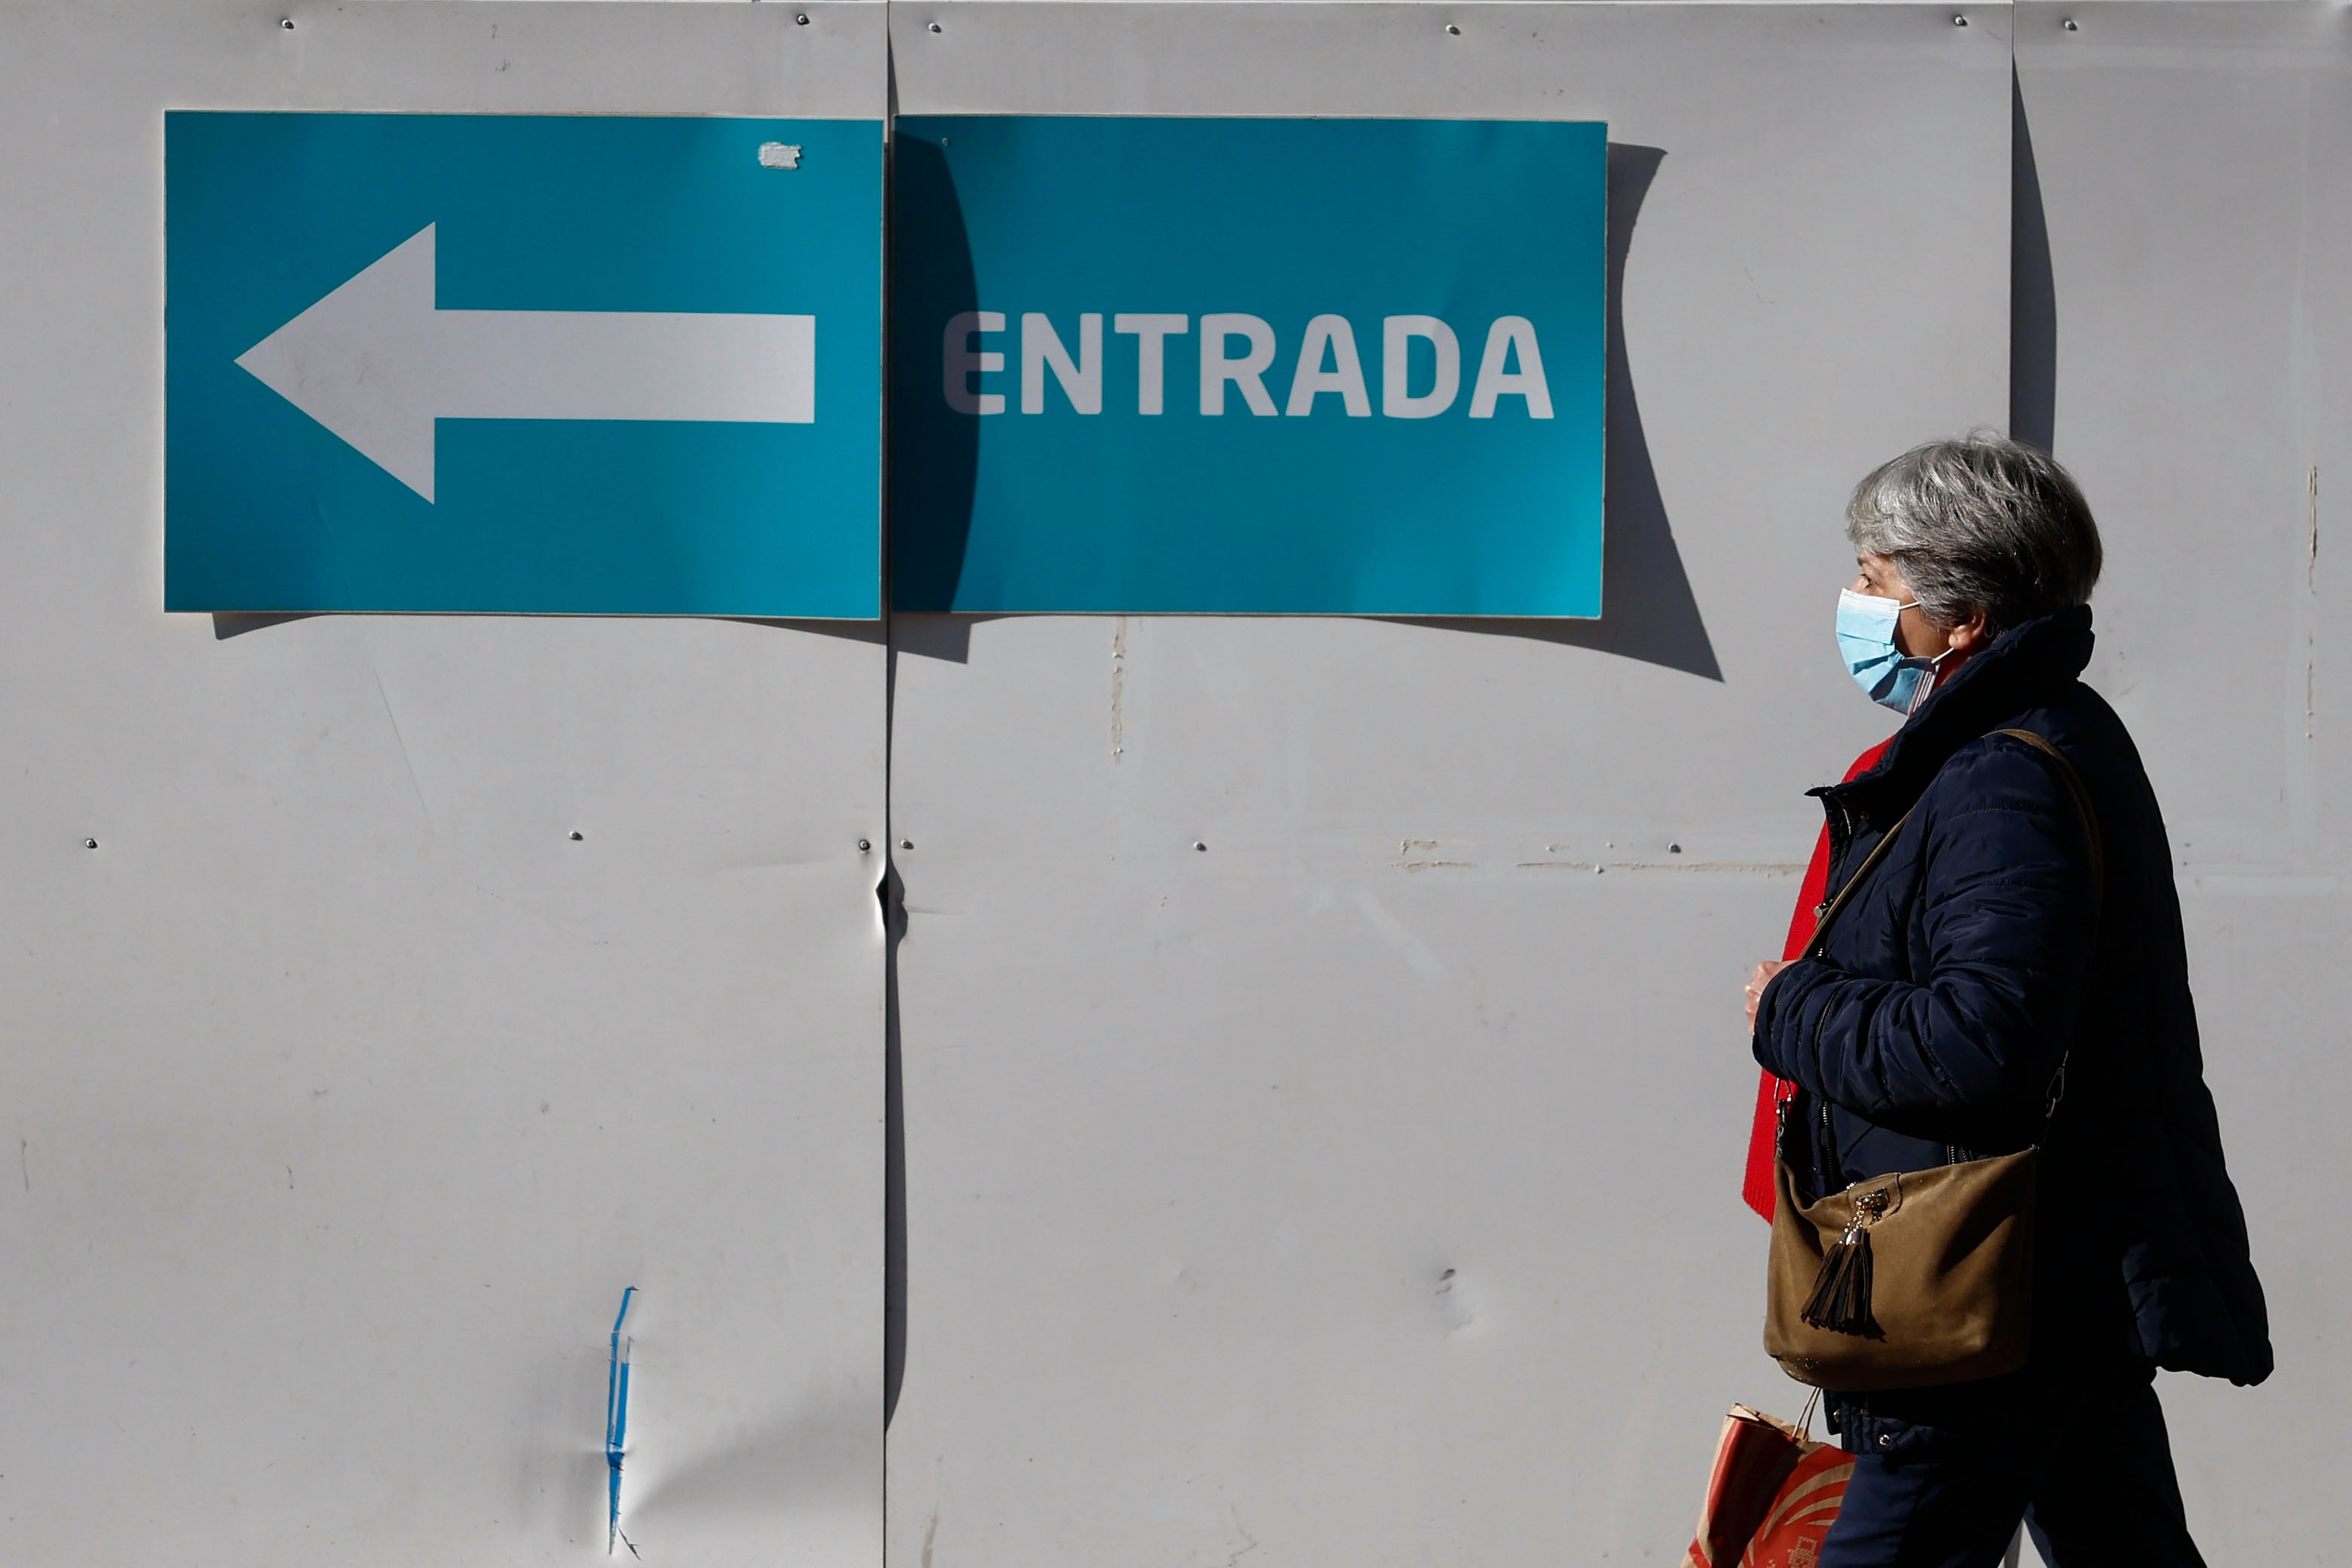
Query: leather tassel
(1841, 1298)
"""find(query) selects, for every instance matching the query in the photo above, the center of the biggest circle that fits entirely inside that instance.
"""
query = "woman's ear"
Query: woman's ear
(1969, 635)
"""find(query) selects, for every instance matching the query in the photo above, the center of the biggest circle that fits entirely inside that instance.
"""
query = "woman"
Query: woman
(1975, 959)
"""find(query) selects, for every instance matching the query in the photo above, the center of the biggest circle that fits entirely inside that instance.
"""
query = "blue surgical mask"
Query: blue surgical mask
(1865, 633)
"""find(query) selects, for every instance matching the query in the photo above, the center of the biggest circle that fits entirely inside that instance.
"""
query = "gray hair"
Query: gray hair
(1983, 522)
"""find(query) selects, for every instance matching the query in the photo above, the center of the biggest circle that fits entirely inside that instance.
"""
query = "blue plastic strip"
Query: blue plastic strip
(616, 1420)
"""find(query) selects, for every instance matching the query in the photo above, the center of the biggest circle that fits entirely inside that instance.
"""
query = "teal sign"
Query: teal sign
(1248, 365)
(563, 364)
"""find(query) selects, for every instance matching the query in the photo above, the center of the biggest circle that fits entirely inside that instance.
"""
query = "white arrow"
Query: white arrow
(376, 363)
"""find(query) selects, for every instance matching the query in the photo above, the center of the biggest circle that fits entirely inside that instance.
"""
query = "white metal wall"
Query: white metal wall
(1357, 1186)
(345, 1090)
(2194, 164)
(1362, 1187)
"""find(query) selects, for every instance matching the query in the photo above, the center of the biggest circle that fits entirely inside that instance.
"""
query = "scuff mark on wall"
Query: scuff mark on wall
(2311, 560)
(1250, 1543)
(616, 1423)
(1734, 867)
(930, 1536)
(1406, 847)
(1458, 1302)
(402, 742)
(1724, 868)
(1118, 689)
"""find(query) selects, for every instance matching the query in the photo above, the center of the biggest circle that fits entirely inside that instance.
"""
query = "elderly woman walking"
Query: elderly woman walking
(2003, 969)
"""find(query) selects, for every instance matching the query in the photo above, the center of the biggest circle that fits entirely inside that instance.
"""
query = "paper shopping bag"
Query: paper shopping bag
(1772, 1498)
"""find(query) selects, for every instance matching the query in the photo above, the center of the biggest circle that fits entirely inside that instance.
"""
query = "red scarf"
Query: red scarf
(1758, 1188)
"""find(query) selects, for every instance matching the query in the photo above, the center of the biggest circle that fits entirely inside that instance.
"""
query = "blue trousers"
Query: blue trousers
(2087, 1466)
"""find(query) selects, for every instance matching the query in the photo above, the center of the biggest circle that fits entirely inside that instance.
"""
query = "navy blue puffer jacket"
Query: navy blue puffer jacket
(1977, 952)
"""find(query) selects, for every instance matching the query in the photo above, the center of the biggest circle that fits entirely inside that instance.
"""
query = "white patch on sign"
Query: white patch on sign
(779, 155)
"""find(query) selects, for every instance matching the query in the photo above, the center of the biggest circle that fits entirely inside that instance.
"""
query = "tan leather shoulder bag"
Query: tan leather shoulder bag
(1919, 1278)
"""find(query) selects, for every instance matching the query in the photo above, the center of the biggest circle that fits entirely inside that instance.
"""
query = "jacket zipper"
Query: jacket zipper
(1841, 835)
(1827, 1167)
(1825, 1159)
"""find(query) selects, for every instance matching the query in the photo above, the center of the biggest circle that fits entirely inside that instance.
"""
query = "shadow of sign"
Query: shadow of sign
(2033, 292)
(1647, 609)
(925, 558)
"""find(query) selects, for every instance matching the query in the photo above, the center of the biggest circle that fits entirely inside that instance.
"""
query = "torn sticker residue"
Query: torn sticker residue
(616, 1423)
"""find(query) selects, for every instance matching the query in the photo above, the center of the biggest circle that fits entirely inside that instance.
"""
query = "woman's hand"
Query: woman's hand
(1756, 984)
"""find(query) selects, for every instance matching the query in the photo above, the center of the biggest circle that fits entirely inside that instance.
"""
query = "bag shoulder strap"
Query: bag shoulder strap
(1831, 910)
(2082, 794)
(2075, 787)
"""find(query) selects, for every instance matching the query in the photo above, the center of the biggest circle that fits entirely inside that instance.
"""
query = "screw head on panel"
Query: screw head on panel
(906, 844)
(89, 843)
(577, 836)
(2069, 25)
(286, 23)
(935, 26)
(1198, 845)
(802, 18)
(1960, 21)
(1453, 31)
(1673, 848)
(864, 845)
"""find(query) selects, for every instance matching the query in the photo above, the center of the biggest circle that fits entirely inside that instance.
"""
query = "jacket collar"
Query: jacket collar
(2027, 665)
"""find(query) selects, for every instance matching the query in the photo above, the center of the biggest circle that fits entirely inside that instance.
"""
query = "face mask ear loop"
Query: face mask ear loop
(1926, 687)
